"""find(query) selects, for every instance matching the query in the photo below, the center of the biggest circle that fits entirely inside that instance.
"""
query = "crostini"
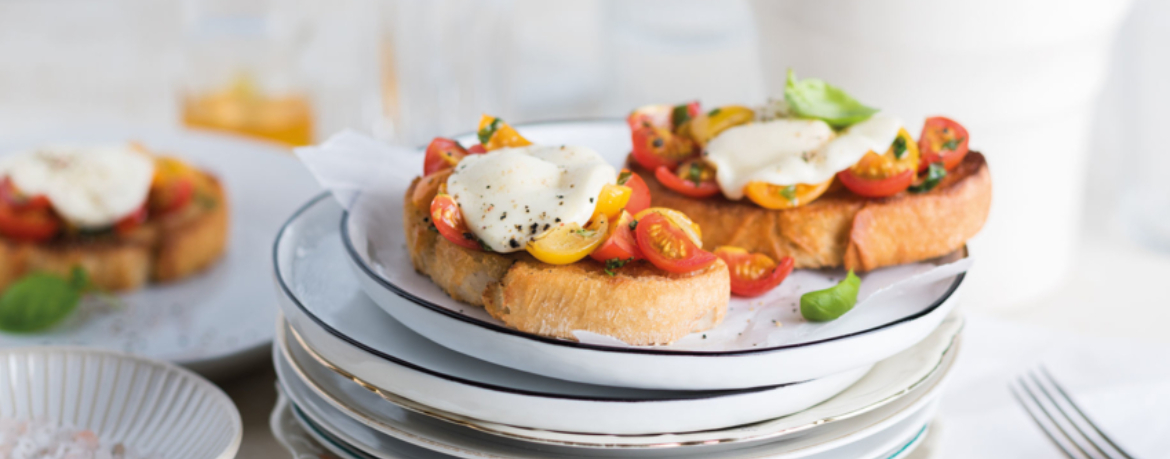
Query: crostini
(552, 240)
(816, 177)
(119, 212)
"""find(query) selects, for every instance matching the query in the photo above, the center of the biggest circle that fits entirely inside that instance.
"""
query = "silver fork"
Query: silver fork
(1061, 419)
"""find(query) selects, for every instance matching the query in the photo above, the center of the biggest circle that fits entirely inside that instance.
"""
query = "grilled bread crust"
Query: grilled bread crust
(843, 229)
(164, 249)
(639, 304)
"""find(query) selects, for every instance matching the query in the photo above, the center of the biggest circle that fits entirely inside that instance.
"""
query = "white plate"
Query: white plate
(343, 329)
(150, 406)
(886, 384)
(746, 350)
(359, 418)
(216, 322)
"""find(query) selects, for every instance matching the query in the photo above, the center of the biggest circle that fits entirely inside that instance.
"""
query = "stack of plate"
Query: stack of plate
(375, 362)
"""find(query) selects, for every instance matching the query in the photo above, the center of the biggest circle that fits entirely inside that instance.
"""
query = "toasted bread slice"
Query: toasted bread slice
(164, 249)
(843, 229)
(639, 304)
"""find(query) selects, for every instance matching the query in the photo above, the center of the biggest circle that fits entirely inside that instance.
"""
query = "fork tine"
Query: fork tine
(1069, 400)
(1039, 423)
(1076, 425)
(1035, 400)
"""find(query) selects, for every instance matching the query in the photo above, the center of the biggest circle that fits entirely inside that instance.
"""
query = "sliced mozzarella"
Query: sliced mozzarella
(89, 187)
(792, 151)
(511, 195)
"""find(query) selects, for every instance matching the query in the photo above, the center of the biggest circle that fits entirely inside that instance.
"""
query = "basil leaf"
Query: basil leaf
(934, 174)
(488, 131)
(679, 115)
(831, 303)
(899, 147)
(950, 145)
(624, 177)
(813, 98)
(39, 301)
(789, 193)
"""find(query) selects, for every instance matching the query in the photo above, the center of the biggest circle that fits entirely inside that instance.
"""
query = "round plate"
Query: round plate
(344, 330)
(886, 384)
(216, 322)
(152, 407)
(346, 412)
(748, 349)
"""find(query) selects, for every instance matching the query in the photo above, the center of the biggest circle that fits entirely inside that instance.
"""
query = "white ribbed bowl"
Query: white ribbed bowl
(150, 406)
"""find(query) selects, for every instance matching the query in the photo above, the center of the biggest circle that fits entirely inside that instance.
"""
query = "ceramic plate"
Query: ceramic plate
(761, 342)
(215, 321)
(888, 382)
(343, 329)
(151, 407)
(354, 416)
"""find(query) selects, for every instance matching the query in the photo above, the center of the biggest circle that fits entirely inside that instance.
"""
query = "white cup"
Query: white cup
(1022, 75)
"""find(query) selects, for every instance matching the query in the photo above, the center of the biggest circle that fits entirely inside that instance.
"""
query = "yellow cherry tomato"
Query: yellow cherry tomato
(612, 200)
(706, 126)
(900, 157)
(568, 243)
(679, 219)
(771, 196)
(495, 134)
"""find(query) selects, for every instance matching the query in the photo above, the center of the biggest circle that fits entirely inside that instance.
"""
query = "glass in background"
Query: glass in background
(240, 70)
(1025, 83)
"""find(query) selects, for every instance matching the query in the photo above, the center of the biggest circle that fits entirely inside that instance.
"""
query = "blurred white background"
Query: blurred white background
(1067, 99)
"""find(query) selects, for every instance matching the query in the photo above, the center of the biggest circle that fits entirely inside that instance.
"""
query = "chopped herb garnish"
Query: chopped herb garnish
(624, 177)
(680, 115)
(488, 131)
(695, 173)
(584, 232)
(899, 147)
(951, 145)
(633, 225)
(934, 174)
(713, 112)
(503, 215)
(789, 193)
(484, 246)
(612, 265)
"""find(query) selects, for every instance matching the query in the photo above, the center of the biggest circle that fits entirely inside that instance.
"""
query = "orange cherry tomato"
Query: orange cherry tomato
(448, 219)
(694, 179)
(17, 200)
(442, 154)
(30, 225)
(944, 140)
(753, 274)
(173, 186)
(640, 198)
(620, 243)
(611, 201)
(131, 222)
(495, 134)
(668, 247)
(876, 188)
(776, 197)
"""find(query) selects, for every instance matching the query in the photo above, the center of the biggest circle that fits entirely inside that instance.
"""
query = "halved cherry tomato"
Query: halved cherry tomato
(569, 243)
(131, 222)
(887, 174)
(442, 154)
(656, 146)
(612, 200)
(678, 218)
(640, 198)
(477, 149)
(428, 187)
(173, 186)
(31, 225)
(694, 179)
(620, 244)
(708, 125)
(774, 197)
(448, 219)
(495, 134)
(753, 274)
(944, 140)
(18, 201)
(668, 246)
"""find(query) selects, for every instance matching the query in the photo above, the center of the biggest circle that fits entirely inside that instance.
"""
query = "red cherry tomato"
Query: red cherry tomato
(944, 140)
(876, 188)
(653, 115)
(442, 154)
(448, 220)
(640, 199)
(694, 186)
(30, 225)
(131, 222)
(477, 149)
(620, 243)
(668, 247)
(753, 274)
